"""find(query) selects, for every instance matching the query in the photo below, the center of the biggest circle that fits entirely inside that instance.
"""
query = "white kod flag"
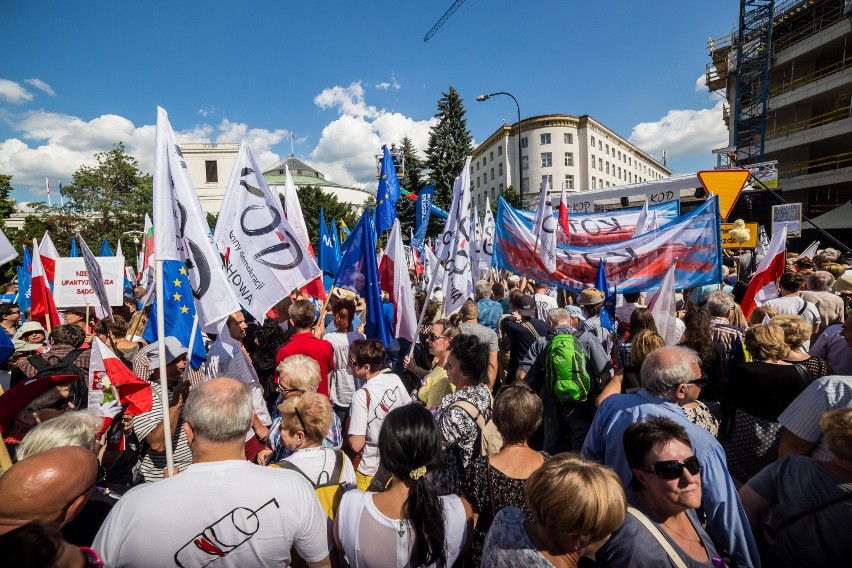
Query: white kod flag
(265, 258)
(545, 229)
(458, 284)
(543, 201)
(488, 228)
(402, 293)
(96, 280)
(181, 232)
(7, 251)
(461, 191)
(431, 265)
(293, 211)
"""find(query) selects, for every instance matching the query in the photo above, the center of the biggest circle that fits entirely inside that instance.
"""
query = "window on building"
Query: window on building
(594, 183)
(525, 162)
(600, 146)
(492, 174)
(629, 177)
(477, 165)
(593, 142)
(619, 173)
(500, 187)
(569, 158)
(569, 181)
(499, 150)
(494, 193)
(607, 149)
(500, 169)
(211, 168)
(629, 161)
(524, 142)
(600, 164)
(546, 159)
(607, 168)
(479, 200)
(547, 178)
(491, 156)
(545, 138)
(594, 166)
(568, 138)
(477, 181)
(525, 185)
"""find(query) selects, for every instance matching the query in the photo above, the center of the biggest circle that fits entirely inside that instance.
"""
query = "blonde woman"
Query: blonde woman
(643, 344)
(796, 332)
(434, 383)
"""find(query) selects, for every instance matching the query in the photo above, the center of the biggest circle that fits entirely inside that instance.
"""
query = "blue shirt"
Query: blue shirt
(489, 313)
(726, 519)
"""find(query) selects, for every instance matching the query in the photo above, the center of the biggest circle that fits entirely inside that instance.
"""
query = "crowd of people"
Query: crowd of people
(529, 428)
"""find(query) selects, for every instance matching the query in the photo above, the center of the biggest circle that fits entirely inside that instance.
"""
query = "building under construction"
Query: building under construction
(786, 72)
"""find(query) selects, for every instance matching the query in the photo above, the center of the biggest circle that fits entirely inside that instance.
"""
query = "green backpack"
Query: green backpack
(565, 369)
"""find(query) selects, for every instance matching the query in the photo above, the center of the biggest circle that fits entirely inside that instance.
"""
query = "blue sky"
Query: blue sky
(343, 76)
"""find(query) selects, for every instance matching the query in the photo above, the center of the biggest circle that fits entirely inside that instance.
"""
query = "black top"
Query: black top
(521, 340)
(764, 390)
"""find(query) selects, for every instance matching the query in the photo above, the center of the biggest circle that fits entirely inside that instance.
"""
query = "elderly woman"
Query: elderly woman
(811, 501)
(33, 332)
(664, 529)
(796, 332)
(640, 320)
(342, 384)
(760, 313)
(575, 504)
(757, 393)
(297, 375)
(434, 383)
(494, 482)
(467, 369)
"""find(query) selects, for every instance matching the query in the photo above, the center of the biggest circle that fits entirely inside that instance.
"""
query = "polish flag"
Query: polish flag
(131, 389)
(762, 285)
(563, 213)
(393, 278)
(42, 308)
(48, 256)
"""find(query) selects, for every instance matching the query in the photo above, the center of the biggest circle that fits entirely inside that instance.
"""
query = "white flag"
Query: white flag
(544, 227)
(458, 284)
(431, 265)
(7, 251)
(663, 307)
(395, 281)
(488, 228)
(293, 211)
(811, 251)
(49, 256)
(118, 251)
(543, 198)
(461, 191)
(265, 257)
(181, 232)
(642, 221)
(96, 279)
(476, 246)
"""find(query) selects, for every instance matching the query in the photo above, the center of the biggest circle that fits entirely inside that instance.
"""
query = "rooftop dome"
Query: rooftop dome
(297, 168)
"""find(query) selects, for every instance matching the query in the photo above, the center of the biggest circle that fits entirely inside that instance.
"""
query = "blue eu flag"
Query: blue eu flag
(359, 272)
(608, 308)
(387, 195)
(178, 311)
(105, 250)
(73, 248)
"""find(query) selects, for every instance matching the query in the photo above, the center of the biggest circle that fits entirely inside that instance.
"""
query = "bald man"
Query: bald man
(50, 487)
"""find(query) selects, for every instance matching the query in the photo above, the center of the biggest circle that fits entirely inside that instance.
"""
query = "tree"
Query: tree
(7, 204)
(412, 181)
(113, 196)
(511, 196)
(449, 143)
(312, 198)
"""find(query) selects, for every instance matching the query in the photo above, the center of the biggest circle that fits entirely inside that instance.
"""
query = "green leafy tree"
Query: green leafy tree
(511, 195)
(412, 180)
(7, 204)
(113, 197)
(449, 143)
(312, 198)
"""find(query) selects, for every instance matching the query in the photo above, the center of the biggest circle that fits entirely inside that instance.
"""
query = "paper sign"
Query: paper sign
(71, 285)
(729, 243)
(790, 213)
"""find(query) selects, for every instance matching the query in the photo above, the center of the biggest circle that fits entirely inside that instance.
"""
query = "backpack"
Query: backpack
(490, 439)
(330, 492)
(565, 369)
(65, 366)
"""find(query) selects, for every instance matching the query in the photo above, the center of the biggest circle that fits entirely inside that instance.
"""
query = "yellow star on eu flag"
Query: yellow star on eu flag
(183, 270)
(184, 310)
(177, 283)
(176, 297)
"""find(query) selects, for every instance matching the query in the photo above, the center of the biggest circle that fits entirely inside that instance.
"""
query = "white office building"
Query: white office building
(577, 151)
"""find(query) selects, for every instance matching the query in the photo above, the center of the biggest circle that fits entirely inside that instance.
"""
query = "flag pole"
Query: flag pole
(425, 303)
(191, 345)
(161, 351)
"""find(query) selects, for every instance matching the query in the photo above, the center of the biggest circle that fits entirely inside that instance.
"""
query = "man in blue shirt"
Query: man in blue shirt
(489, 310)
(668, 375)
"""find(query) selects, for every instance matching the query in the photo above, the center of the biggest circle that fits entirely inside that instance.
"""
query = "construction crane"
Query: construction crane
(440, 23)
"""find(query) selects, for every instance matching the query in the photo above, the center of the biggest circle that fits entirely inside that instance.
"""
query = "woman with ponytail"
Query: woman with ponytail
(408, 525)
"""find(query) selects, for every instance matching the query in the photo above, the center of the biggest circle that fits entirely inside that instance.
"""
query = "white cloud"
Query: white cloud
(40, 85)
(348, 145)
(204, 112)
(393, 84)
(14, 93)
(683, 133)
(701, 84)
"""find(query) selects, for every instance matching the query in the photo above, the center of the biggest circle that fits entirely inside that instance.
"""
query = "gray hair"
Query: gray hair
(558, 316)
(219, 414)
(76, 428)
(303, 372)
(719, 304)
(666, 368)
(483, 288)
(820, 281)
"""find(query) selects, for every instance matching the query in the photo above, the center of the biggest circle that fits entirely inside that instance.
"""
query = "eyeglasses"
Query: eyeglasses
(700, 382)
(289, 390)
(299, 418)
(353, 363)
(673, 469)
(433, 337)
(58, 404)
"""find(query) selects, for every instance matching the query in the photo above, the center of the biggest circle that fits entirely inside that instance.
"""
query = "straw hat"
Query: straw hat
(590, 297)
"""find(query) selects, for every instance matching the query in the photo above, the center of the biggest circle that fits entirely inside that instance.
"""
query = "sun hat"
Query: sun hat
(590, 297)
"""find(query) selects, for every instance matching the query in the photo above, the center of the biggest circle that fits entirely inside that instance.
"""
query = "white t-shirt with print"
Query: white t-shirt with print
(227, 513)
(543, 304)
(341, 382)
(386, 393)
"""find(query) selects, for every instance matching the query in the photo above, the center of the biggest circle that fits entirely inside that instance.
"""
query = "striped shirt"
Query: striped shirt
(722, 331)
(153, 463)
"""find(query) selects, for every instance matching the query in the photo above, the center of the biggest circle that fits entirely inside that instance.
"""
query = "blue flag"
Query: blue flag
(27, 259)
(387, 195)
(25, 284)
(422, 210)
(328, 261)
(359, 272)
(105, 250)
(608, 308)
(335, 241)
(6, 347)
(178, 311)
(73, 248)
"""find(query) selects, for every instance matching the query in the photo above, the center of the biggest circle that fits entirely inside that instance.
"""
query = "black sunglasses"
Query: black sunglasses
(700, 382)
(433, 337)
(673, 469)
(58, 404)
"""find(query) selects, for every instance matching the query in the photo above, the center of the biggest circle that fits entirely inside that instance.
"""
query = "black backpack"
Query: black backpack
(66, 366)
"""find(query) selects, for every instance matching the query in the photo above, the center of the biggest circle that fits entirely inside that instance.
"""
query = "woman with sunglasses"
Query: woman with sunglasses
(434, 384)
(663, 529)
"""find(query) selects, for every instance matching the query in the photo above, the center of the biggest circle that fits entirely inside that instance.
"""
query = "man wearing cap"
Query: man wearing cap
(518, 331)
(10, 318)
(77, 316)
(591, 302)
(149, 426)
(22, 350)
(66, 349)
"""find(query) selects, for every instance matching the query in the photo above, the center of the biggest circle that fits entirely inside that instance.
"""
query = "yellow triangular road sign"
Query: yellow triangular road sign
(727, 184)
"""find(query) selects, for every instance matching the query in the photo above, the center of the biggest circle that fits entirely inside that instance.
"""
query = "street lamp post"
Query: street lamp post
(481, 98)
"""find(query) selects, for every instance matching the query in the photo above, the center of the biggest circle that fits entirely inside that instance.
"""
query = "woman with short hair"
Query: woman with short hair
(797, 331)
(663, 529)
(494, 482)
(640, 320)
(575, 506)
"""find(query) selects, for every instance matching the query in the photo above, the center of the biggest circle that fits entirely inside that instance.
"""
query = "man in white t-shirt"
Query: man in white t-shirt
(544, 302)
(222, 508)
(790, 302)
(382, 393)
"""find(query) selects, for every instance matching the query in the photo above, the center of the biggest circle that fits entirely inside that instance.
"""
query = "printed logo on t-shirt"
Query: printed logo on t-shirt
(219, 539)
(386, 404)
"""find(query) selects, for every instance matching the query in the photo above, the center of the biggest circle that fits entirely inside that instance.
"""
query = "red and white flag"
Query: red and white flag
(663, 307)
(393, 276)
(762, 285)
(48, 256)
(563, 213)
(131, 389)
(42, 307)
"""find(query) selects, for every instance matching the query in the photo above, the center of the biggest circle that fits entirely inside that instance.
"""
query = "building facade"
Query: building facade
(577, 151)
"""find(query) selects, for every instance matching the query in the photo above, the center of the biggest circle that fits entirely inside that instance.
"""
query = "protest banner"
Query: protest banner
(789, 214)
(72, 286)
(729, 243)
